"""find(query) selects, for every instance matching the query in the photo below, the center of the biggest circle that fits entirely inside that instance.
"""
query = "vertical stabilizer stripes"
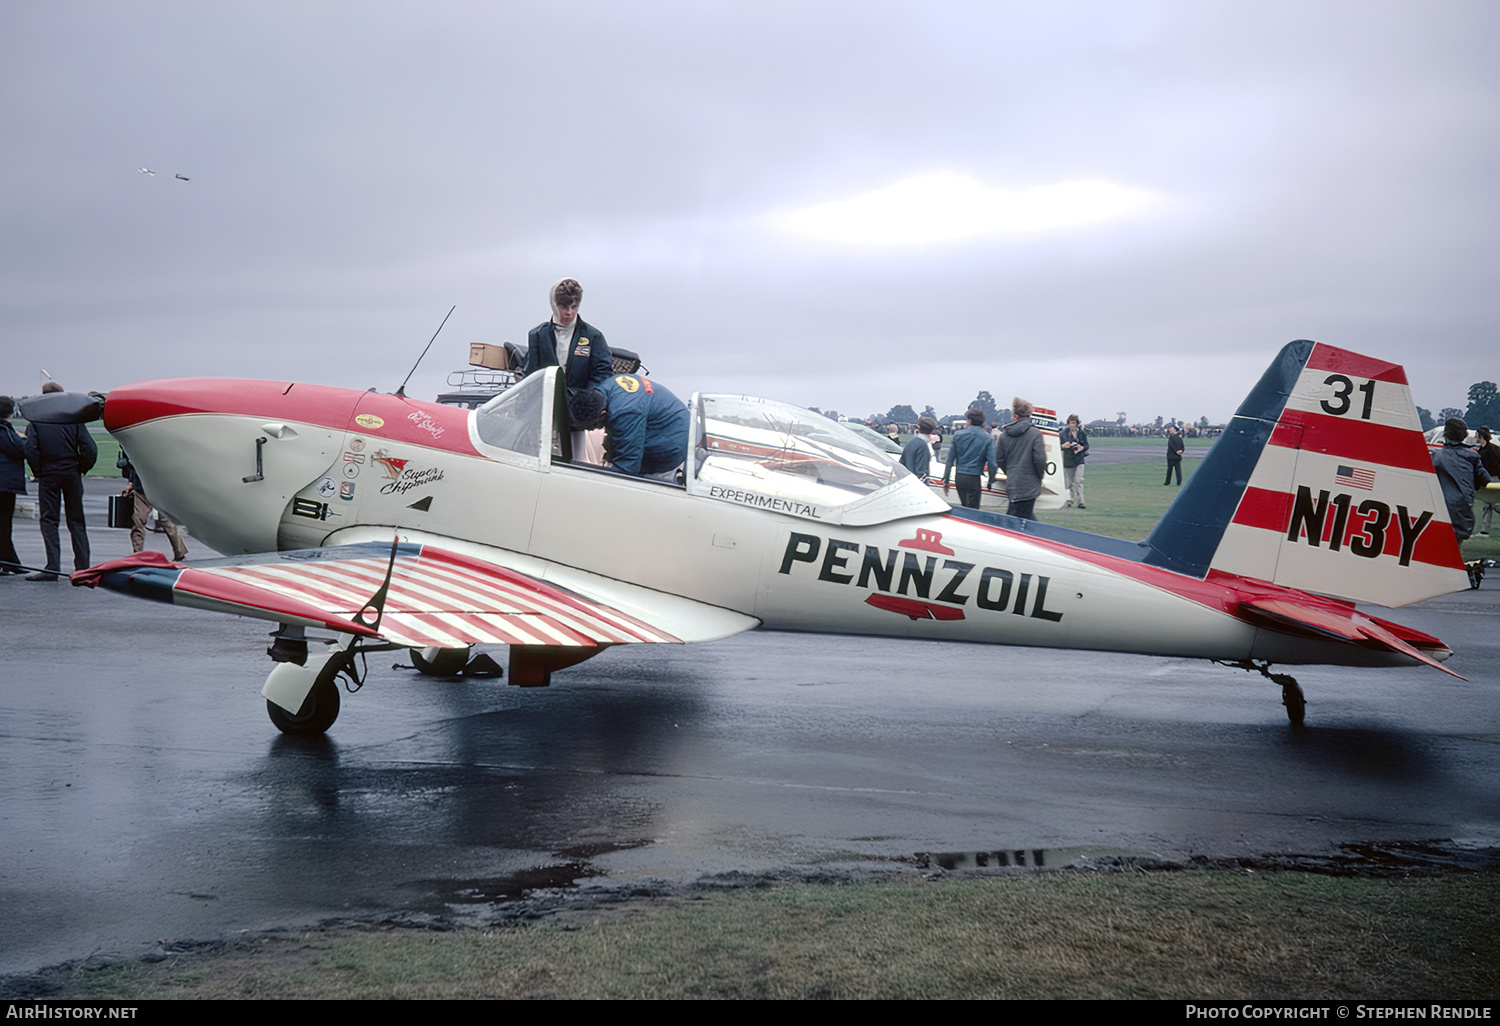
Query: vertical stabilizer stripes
(1323, 482)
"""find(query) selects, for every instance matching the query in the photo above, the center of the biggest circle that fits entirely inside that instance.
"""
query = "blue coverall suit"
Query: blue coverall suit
(646, 428)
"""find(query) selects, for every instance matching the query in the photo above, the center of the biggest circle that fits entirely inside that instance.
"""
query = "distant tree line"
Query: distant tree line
(1483, 409)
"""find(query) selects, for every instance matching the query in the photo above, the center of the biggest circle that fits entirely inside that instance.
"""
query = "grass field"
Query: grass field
(1192, 934)
(1124, 500)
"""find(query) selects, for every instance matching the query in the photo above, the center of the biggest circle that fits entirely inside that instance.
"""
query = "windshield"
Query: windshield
(513, 419)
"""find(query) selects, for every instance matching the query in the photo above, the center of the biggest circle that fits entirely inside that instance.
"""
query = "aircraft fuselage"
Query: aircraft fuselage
(253, 466)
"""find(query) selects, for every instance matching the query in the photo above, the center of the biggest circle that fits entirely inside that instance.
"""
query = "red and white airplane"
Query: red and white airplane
(397, 523)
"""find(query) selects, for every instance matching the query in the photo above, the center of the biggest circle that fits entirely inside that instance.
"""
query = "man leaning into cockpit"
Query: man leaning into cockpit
(646, 426)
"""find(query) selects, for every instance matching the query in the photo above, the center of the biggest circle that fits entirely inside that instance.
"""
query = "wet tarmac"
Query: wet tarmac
(146, 798)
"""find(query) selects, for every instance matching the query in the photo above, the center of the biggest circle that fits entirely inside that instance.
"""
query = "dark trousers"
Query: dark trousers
(1173, 465)
(52, 492)
(969, 486)
(1022, 508)
(7, 518)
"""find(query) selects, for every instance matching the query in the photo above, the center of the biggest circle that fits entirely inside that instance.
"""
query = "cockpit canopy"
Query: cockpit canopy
(742, 450)
(773, 455)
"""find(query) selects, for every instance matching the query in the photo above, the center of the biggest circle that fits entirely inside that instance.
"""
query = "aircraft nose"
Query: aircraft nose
(142, 401)
(129, 405)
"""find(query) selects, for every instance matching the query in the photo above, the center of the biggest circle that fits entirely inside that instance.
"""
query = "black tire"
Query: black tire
(442, 662)
(1296, 704)
(319, 709)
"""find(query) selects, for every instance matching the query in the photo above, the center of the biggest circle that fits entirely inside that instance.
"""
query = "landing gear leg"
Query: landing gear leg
(1291, 691)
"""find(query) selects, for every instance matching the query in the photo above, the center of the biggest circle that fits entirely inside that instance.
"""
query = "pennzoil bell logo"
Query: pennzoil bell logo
(369, 420)
(626, 382)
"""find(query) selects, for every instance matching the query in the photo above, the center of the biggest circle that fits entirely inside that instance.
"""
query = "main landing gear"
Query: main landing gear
(312, 688)
(1291, 691)
(319, 709)
(311, 684)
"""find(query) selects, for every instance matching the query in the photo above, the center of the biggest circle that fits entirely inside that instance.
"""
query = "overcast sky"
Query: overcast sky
(1100, 206)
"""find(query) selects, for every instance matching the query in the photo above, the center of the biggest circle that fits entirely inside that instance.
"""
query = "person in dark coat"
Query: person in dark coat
(1075, 449)
(59, 455)
(12, 483)
(1174, 455)
(1021, 452)
(1459, 473)
(1489, 457)
(645, 425)
(917, 456)
(585, 357)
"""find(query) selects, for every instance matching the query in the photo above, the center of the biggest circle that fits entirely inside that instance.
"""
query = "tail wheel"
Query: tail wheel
(319, 709)
(1295, 702)
(440, 662)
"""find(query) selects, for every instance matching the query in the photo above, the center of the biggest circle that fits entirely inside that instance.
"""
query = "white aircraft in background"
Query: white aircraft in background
(398, 523)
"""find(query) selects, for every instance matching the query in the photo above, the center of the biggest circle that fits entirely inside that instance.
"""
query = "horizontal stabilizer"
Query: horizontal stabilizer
(1343, 625)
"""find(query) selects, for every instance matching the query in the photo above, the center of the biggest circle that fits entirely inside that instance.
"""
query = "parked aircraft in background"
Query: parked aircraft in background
(398, 523)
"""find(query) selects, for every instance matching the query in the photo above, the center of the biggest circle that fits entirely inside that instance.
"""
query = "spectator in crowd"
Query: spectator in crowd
(1075, 449)
(917, 456)
(1459, 473)
(1022, 454)
(140, 510)
(59, 455)
(1174, 455)
(12, 483)
(970, 452)
(1489, 456)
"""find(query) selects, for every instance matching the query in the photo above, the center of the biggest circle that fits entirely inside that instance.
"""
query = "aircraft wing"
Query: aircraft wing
(436, 598)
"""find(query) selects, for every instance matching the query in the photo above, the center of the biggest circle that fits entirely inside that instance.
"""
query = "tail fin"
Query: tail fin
(1322, 482)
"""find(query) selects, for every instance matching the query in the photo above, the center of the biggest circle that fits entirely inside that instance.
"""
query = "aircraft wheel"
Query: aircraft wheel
(440, 662)
(319, 709)
(1295, 702)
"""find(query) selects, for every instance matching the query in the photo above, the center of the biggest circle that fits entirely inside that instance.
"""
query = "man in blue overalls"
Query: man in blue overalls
(646, 426)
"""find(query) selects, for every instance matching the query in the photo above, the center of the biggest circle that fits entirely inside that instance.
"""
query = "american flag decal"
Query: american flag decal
(1355, 477)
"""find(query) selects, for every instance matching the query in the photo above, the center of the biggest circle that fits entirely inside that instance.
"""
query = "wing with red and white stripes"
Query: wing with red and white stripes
(435, 598)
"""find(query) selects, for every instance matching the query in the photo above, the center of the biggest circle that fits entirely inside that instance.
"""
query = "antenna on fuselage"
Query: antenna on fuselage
(402, 390)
